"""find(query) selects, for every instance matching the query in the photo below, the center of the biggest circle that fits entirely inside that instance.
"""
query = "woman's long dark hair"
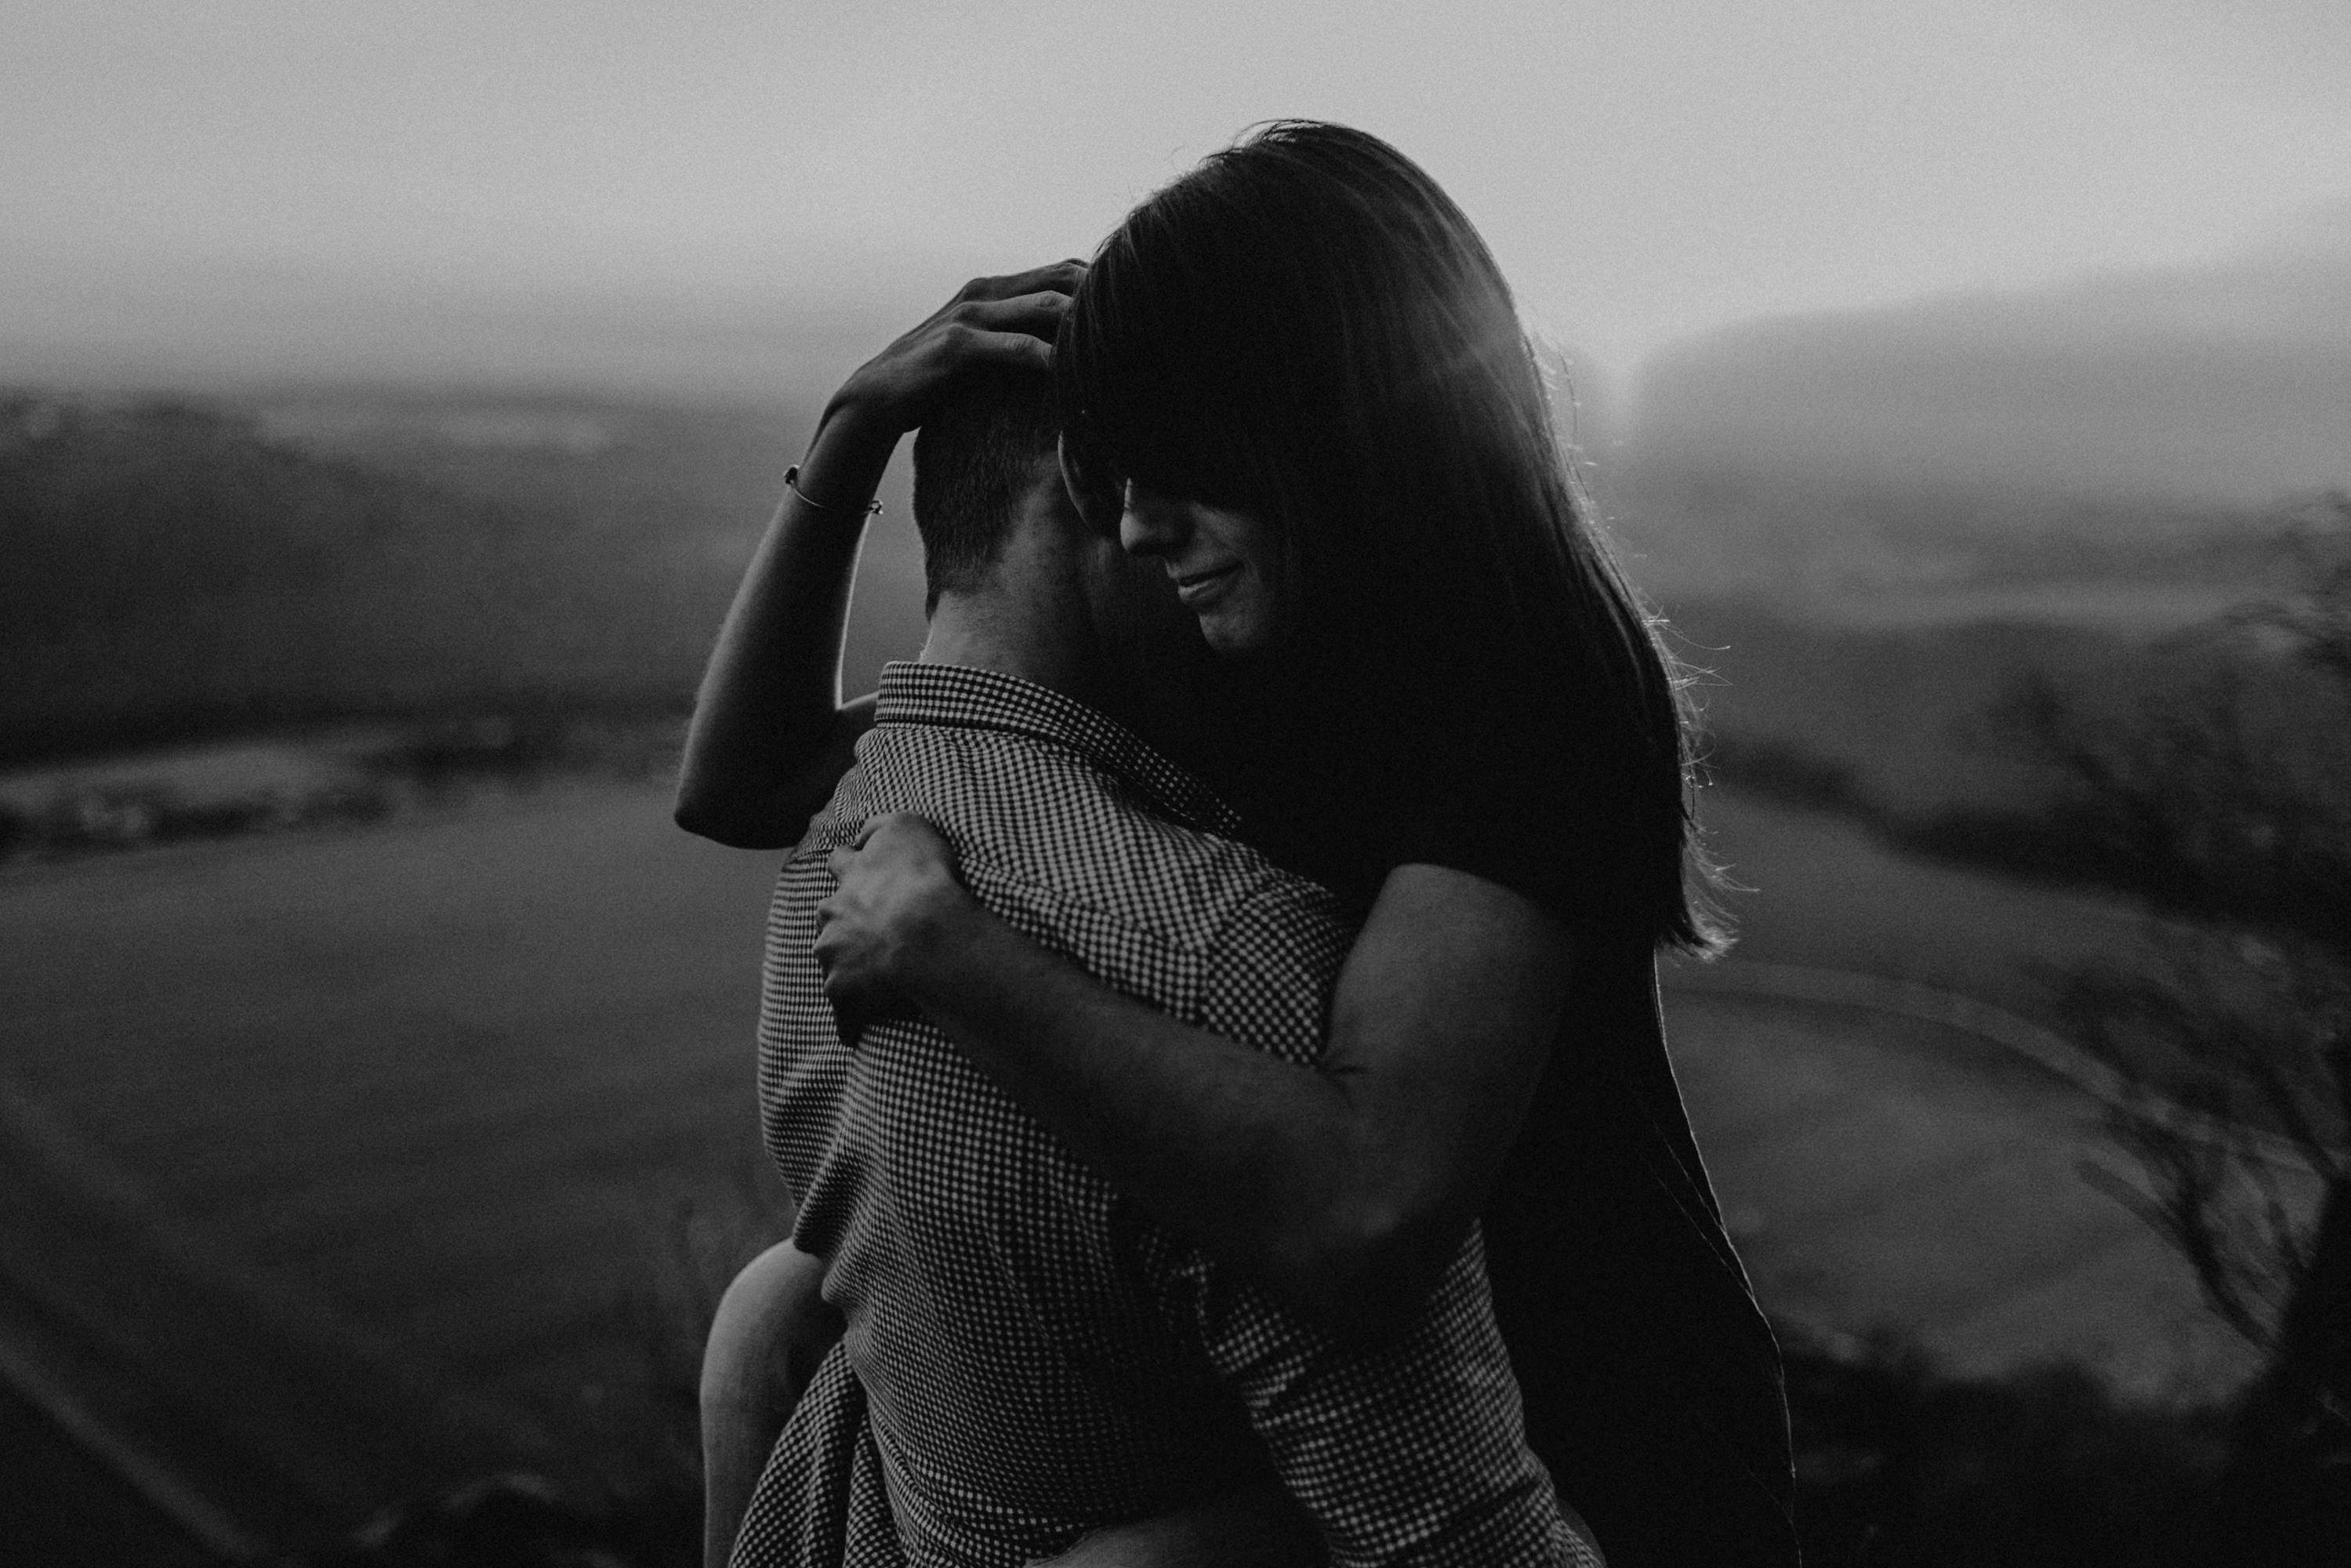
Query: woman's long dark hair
(1307, 327)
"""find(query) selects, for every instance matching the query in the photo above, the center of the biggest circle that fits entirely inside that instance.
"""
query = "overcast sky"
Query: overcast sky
(676, 191)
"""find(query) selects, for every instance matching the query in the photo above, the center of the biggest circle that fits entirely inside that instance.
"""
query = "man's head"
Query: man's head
(1017, 577)
(978, 461)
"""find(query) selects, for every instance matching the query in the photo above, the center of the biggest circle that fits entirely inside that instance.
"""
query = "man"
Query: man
(1027, 1358)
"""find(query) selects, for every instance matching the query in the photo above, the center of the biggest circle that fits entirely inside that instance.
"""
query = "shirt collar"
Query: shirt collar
(972, 698)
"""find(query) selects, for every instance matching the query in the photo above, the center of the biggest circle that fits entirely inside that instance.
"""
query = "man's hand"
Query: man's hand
(899, 900)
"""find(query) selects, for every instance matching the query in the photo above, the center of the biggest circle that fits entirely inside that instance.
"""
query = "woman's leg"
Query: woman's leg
(1251, 1527)
(772, 1330)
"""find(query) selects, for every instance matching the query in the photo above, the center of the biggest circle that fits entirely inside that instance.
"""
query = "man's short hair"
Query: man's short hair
(976, 460)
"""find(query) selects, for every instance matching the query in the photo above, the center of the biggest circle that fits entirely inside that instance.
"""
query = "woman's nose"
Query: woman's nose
(1150, 523)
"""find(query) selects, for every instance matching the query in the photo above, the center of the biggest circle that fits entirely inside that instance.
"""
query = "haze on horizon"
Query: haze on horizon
(740, 199)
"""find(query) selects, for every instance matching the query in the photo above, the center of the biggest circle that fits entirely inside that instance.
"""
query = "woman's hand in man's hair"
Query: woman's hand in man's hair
(991, 321)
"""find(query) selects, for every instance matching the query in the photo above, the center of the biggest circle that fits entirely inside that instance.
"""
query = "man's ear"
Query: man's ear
(1096, 505)
(1050, 497)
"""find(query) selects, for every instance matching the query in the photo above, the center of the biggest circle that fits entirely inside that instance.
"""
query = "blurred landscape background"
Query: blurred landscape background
(385, 417)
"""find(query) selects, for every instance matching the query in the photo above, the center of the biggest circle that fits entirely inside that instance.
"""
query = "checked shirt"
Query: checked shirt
(1028, 1357)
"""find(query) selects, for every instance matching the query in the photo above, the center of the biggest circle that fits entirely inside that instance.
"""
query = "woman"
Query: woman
(1296, 378)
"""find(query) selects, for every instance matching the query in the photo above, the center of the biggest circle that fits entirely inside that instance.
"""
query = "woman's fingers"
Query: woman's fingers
(1058, 277)
(896, 867)
(907, 378)
(1029, 301)
(1040, 312)
(1020, 350)
(857, 990)
(1017, 331)
(906, 832)
(1009, 321)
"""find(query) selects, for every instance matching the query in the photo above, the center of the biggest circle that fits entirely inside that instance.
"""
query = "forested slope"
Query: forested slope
(169, 571)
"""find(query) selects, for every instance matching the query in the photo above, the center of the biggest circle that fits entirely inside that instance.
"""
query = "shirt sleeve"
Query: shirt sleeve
(1501, 825)
(1266, 979)
(1406, 1449)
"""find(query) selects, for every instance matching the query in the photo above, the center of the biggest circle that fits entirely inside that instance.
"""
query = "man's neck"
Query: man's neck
(990, 630)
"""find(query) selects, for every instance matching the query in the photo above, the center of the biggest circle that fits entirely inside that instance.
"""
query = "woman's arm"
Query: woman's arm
(1344, 1188)
(770, 734)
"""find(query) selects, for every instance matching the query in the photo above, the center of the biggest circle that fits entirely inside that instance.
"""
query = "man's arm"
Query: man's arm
(772, 1330)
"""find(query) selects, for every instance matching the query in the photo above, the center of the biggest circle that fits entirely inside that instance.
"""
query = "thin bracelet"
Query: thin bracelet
(792, 483)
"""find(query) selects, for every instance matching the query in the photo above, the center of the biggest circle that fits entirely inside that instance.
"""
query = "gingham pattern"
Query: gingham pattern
(1027, 1357)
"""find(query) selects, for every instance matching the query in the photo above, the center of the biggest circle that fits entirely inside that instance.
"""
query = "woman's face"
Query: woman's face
(1226, 565)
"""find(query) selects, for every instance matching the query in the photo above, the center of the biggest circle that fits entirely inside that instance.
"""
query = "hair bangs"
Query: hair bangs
(1155, 370)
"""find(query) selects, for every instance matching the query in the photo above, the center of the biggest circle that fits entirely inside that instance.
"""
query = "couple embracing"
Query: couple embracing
(1210, 1027)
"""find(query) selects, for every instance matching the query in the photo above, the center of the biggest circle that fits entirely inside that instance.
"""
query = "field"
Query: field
(1827, 894)
(374, 1157)
(410, 1144)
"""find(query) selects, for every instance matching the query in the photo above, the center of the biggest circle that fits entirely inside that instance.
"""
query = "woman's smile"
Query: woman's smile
(1196, 588)
(1225, 564)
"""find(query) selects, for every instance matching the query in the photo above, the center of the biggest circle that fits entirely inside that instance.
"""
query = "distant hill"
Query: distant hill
(692, 482)
(2133, 428)
(1860, 549)
(2230, 385)
(184, 570)
(2106, 457)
